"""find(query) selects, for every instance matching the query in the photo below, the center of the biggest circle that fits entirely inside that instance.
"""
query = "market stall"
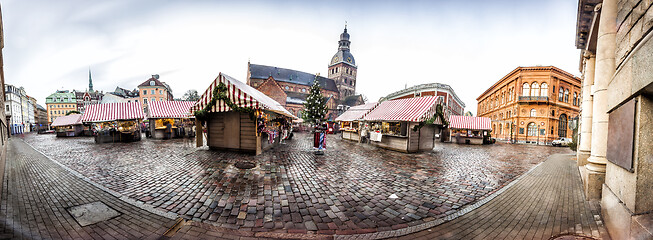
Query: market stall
(239, 117)
(170, 119)
(68, 126)
(405, 125)
(351, 121)
(115, 122)
(469, 130)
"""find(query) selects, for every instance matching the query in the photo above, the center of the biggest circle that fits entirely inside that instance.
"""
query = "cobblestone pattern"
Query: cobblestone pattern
(545, 203)
(36, 193)
(291, 190)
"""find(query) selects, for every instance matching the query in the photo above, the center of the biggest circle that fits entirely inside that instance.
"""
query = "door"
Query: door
(232, 130)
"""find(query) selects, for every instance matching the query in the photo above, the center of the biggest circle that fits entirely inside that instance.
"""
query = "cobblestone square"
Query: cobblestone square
(291, 190)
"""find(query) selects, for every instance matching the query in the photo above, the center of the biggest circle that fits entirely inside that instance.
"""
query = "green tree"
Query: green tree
(191, 95)
(73, 112)
(315, 108)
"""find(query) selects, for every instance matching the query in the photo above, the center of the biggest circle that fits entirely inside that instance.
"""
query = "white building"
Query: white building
(13, 108)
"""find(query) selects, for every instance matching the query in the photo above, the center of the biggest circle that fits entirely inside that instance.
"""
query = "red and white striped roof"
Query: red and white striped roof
(113, 111)
(240, 94)
(410, 109)
(72, 119)
(169, 109)
(356, 112)
(467, 122)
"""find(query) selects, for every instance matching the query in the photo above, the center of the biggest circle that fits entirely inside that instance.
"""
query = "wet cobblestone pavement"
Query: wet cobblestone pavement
(291, 190)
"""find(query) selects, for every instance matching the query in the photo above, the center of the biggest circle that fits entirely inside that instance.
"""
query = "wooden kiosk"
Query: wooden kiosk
(351, 121)
(469, 130)
(405, 125)
(115, 122)
(68, 126)
(239, 117)
(175, 113)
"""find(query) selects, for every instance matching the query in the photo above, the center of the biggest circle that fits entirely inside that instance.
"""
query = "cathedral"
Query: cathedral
(291, 87)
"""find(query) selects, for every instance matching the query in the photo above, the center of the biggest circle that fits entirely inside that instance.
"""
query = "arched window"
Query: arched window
(560, 95)
(532, 129)
(533, 112)
(535, 89)
(526, 89)
(575, 99)
(494, 127)
(566, 95)
(562, 126)
(544, 90)
(500, 128)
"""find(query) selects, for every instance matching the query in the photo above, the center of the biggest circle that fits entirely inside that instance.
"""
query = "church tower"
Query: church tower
(342, 68)
(90, 81)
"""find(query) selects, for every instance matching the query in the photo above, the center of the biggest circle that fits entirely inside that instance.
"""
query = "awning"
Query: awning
(72, 119)
(113, 111)
(170, 109)
(471, 123)
(410, 109)
(240, 94)
(356, 112)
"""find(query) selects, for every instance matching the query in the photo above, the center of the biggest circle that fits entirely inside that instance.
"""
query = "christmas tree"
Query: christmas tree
(315, 108)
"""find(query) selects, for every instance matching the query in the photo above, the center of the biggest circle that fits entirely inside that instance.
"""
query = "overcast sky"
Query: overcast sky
(469, 45)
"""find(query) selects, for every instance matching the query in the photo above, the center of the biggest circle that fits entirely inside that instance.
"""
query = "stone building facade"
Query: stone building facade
(532, 105)
(615, 154)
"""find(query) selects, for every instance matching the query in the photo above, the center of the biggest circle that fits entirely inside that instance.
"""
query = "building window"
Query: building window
(553, 113)
(153, 99)
(551, 130)
(526, 89)
(535, 88)
(500, 128)
(575, 98)
(161, 92)
(144, 92)
(533, 112)
(532, 129)
(567, 95)
(544, 90)
(562, 126)
(152, 83)
(560, 95)
(160, 99)
(152, 91)
(286, 88)
(145, 100)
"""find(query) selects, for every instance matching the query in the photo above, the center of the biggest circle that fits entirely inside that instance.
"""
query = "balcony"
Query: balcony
(533, 99)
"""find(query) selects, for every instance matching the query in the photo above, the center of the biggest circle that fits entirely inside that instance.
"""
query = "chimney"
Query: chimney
(155, 76)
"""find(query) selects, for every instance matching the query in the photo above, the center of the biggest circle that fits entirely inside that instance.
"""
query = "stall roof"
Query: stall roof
(356, 112)
(240, 94)
(410, 109)
(468, 122)
(170, 109)
(72, 119)
(113, 111)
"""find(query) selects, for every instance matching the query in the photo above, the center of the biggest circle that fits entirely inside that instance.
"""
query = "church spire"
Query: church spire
(90, 81)
(344, 42)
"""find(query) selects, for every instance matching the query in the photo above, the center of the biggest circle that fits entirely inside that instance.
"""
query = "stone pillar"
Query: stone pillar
(605, 67)
(585, 136)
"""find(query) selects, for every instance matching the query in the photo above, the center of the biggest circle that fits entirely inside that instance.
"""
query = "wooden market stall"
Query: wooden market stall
(68, 126)
(405, 125)
(170, 119)
(469, 130)
(115, 122)
(351, 121)
(239, 117)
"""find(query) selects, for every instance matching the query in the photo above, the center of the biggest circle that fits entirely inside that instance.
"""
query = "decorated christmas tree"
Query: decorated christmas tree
(315, 108)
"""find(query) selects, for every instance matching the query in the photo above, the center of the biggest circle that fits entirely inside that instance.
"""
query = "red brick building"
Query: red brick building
(453, 105)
